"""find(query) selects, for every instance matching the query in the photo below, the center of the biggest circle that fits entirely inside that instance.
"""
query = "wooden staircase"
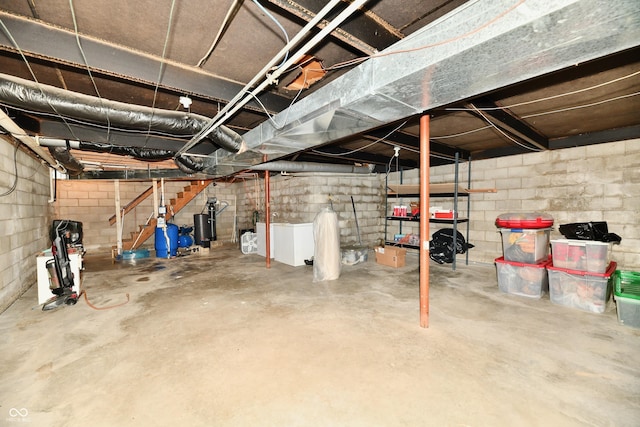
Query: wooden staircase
(175, 205)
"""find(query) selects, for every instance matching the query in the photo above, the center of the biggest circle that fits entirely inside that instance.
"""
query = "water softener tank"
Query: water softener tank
(162, 251)
(202, 231)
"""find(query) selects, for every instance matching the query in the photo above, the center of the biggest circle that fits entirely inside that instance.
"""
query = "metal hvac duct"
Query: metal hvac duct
(285, 166)
(49, 99)
(477, 48)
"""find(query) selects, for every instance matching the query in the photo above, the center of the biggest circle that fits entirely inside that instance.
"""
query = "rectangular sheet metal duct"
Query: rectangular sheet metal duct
(482, 46)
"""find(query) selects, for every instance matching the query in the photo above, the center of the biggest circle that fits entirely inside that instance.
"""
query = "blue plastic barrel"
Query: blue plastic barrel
(161, 241)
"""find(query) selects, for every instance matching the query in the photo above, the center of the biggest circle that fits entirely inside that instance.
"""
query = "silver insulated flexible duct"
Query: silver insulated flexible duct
(43, 98)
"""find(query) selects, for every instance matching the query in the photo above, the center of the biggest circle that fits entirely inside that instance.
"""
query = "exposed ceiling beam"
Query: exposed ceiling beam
(335, 155)
(40, 40)
(620, 134)
(500, 152)
(307, 15)
(484, 108)
(411, 141)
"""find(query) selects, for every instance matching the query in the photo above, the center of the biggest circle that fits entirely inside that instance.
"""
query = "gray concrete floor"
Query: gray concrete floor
(219, 340)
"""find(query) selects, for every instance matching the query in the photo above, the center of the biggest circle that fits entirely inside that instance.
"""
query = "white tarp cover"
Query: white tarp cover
(326, 258)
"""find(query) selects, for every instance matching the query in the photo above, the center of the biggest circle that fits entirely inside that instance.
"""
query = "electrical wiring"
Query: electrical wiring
(33, 75)
(15, 173)
(356, 61)
(506, 135)
(455, 135)
(548, 98)
(161, 70)
(364, 147)
(270, 116)
(592, 104)
(225, 22)
(273, 18)
(86, 63)
(238, 101)
(544, 113)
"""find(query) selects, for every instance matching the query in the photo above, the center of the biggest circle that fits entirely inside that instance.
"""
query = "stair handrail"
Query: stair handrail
(133, 203)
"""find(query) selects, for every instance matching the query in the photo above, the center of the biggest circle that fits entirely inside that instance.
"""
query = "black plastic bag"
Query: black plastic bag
(597, 231)
(441, 245)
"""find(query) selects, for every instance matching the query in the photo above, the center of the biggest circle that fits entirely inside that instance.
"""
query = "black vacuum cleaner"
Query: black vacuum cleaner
(59, 268)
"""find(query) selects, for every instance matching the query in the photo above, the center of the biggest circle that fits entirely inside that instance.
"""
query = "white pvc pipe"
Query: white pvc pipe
(18, 133)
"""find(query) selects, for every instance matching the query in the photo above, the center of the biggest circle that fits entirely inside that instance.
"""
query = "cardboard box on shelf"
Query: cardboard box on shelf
(391, 256)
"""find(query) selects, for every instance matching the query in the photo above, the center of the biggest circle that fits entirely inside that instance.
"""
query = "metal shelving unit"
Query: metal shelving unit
(446, 190)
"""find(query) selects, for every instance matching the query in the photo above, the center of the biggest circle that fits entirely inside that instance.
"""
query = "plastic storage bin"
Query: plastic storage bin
(581, 255)
(626, 292)
(529, 246)
(524, 220)
(527, 280)
(578, 289)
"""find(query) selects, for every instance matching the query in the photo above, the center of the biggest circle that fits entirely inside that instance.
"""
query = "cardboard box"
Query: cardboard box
(391, 256)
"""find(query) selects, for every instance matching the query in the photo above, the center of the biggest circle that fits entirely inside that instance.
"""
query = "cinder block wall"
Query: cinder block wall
(93, 202)
(298, 198)
(596, 183)
(24, 221)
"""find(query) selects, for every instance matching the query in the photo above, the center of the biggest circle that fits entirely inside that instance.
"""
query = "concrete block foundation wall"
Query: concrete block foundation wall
(24, 221)
(595, 183)
(93, 202)
(297, 198)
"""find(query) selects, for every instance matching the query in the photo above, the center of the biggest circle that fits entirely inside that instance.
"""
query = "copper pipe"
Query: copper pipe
(424, 220)
(267, 214)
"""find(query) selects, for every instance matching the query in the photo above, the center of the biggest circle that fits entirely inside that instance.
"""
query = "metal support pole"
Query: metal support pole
(116, 188)
(424, 221)
(455, 212)
(267, 214)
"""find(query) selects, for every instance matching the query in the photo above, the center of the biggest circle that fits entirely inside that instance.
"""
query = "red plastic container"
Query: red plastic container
(527, 280)
(579, 289)
(524, 220)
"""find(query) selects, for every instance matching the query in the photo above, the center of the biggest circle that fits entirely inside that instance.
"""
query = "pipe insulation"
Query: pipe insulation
(50, 99)
(286, 166)
(59, 149)
(71, 164)
(139, 153)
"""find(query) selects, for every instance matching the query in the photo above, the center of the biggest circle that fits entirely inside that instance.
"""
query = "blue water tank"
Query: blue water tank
(185, 241)
(161, 241)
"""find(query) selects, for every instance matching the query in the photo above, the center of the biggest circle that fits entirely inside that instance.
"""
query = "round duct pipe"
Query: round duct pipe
(49, 99)
(287, 166)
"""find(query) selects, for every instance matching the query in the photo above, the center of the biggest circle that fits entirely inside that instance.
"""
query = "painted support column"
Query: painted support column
(424, 221)
(116, 185)
(267, 214)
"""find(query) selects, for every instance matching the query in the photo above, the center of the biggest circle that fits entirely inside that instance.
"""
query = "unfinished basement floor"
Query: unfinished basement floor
(219, 340)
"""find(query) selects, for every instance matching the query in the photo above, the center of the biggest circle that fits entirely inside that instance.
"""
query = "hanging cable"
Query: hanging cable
(86, 63)
(286, 36)
(161, 71)
(225, 23)
(593, 104)
(364, 147)
(509, 137)
(33, 75)
(357, 61)
(15, 171)
(242, 98)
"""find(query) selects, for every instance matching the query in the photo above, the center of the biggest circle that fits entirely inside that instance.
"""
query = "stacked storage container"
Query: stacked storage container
(580, 275)
(525, 245)
(627, 295)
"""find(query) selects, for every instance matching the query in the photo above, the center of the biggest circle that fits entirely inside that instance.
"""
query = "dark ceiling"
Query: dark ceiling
(151, 53)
